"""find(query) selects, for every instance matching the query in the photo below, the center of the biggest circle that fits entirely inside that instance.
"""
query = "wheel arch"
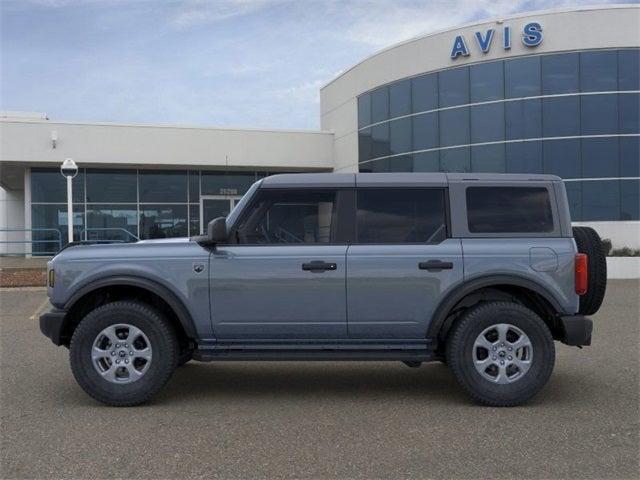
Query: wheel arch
(501, 287)
(128, 286)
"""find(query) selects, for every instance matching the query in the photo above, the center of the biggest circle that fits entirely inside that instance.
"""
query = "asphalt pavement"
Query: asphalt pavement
(322, 420)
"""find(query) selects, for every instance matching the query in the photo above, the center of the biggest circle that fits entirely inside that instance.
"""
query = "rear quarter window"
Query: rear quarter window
(509, 210)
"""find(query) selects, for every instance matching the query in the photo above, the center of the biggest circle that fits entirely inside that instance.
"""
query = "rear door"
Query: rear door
(401, 263)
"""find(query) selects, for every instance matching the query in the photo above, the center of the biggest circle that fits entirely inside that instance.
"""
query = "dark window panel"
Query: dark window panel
(487, 123)
(599, 71)
(509, 209)
(49, 186)
(163, 186)
(522, 77)
(562, 158)
(364, 110)
(53, 217)
(226, 183)
(425, 131)
(364, 145)
(630, 156)
(401, 215)
(111, 222)
(424, 93)
(561, 116)
(599, 114)
(629, 113)
(453, 86)
(400, 135)
(560, 73)
(629, 69)
(426, 161)
(574, 195)
(523, 119)
(380, 140)
(524, 157)
(454, 127)
(401, 163)
(487, 81)
(163, 221)
(106, 186)
(488, 158)
(600, 157)
(400, 99)
(194, 219)
(455, 160)
(600, 200)
(376, 166)
(630, 200)
(194, 186)
(380, 104)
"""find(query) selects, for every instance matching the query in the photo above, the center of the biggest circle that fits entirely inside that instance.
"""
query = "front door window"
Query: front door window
(214, 206)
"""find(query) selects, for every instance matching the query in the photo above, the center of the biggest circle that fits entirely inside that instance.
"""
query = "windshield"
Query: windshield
(233, 216)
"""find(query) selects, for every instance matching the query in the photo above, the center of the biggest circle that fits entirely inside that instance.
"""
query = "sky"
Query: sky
(227, 63)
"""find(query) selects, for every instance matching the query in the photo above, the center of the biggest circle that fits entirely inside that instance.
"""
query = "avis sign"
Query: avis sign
(531, 37)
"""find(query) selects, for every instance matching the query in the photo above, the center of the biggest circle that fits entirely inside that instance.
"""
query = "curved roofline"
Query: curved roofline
(481, 22)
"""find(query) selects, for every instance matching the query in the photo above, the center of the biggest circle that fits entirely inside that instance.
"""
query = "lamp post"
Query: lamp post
(69, 169)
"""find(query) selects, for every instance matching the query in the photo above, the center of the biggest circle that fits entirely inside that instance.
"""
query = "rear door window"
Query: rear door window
(509, 210)
(393, 215)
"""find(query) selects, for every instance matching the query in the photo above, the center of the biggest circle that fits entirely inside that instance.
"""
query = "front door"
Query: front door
(284, 275)
(214, 206)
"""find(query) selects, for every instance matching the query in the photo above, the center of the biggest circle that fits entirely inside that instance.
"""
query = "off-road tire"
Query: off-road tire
(588, 241)
(160, 334)
(459, 353)
(185, 357)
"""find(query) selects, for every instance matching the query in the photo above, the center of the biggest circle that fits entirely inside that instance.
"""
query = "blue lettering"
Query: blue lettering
(485, 43)
(532, 35)
(459, 48)
(506, 38)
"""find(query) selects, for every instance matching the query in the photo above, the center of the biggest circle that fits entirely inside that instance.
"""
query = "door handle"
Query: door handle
(318, 266)
(435, 265)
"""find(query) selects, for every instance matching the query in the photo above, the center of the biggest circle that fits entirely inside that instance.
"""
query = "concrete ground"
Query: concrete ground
(322, 420)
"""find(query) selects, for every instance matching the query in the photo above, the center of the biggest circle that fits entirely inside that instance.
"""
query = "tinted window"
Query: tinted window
(111, 222)
(53, 217)
(112, 186)
(600, 157)
(630, 200)
(290, 217)
(562, 158)
(163, 221)
(598, 71)
(400, 99)
(454, 127)
(426, 162)
(453, 87)
(364, 145)
(487, 123)
(455, 160)
(523, 119)
(380, 140)
(194, 186)
(574, 195)
(424, 93)
(629, 113)
(509, 209)
(560, 73)
(629, 155)
(629, 70)
(487, 82)
(600, 200)
(561, 116)
(488, 158)
(364, 110)
(194, 219)
(523, 157)
(522, 77)
(400, 135)
(226, 183)
(425, 131)
(379, 105)
(164, 186)
(401, 216)
(49, 186)
(599, 114)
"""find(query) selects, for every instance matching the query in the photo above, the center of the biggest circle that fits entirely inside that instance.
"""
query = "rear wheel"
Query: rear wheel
(123, 352)
(501, 353)
(588, 241)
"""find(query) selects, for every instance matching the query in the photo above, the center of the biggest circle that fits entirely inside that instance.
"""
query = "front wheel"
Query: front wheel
(123, 352)
(502, 353)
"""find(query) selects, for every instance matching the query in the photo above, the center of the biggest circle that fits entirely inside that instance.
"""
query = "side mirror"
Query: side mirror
(217, 230)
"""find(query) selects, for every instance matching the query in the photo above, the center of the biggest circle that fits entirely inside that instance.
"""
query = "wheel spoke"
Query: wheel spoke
(523, 365)
(523, 341)
(134, 332)
(98, 353)
(110, 374)
(482, 341)
(110, 333)
(133, 373)
(502, 329)
(502, 377)
(143, 353)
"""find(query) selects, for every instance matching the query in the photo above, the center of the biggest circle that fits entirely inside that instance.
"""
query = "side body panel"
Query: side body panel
(389, 296)
(549, 262)
(262, 292)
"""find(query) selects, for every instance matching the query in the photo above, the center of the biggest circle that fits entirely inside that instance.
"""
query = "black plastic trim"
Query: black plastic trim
(52, 325)
(576, 330)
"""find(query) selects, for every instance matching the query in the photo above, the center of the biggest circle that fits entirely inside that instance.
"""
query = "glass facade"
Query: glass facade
(119, 205)
(575, 115)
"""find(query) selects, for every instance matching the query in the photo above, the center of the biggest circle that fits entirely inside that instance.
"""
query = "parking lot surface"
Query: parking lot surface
(322, 420)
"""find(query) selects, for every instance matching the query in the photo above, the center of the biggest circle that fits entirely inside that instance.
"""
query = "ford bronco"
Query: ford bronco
(480, 271)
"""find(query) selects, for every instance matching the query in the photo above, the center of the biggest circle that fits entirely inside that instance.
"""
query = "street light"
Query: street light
(69, 169)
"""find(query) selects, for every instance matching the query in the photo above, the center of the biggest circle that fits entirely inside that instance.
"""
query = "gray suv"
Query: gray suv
(480, 271)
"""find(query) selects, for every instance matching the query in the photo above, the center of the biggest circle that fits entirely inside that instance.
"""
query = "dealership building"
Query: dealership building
(545, 92)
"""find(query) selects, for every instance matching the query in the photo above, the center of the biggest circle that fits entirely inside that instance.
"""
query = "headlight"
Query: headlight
(52, 277)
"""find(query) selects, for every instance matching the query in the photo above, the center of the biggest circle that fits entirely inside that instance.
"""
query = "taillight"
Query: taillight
(582, 273)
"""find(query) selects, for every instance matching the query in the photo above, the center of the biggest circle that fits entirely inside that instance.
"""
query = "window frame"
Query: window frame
(447, 217)
(460, 219)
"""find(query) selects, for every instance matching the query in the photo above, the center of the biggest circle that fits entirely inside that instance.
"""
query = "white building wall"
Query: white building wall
(576, 29)
(11, 217)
